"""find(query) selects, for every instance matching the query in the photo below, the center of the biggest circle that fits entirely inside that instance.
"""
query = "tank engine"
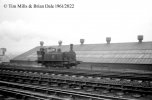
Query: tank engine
(52, 57)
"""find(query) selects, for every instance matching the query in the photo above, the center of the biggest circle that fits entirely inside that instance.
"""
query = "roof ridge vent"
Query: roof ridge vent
(82, 41)
(108, 39)
(140, 38)
(60, 42)
(41, 43)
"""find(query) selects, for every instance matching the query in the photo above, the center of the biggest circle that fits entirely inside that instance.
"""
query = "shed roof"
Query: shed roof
(131, 53)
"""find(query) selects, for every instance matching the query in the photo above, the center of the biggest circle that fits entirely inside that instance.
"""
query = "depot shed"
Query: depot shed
(130, 55)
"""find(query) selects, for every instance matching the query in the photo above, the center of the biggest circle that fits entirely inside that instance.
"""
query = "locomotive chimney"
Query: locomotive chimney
(108, 39)
(82, 41)
(71, 47)
(60, 43)
(140, 38)
(41, 43)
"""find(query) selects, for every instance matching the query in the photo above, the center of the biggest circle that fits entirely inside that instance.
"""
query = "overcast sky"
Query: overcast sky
(21, 29)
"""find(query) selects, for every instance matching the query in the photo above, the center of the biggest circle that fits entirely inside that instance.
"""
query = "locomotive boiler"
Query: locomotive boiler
(52, 57)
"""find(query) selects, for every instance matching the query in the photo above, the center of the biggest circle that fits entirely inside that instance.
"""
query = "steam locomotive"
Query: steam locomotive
(52, 57)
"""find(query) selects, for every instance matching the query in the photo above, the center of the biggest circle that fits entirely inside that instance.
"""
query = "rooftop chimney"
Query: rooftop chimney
(41, 43)
(82, 41)
(108, 39)
(140, 38)
(71, 47)
(60, 43)
(3, 50)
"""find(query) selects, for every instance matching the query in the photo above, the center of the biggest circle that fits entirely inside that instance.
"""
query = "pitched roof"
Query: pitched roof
(132, 53)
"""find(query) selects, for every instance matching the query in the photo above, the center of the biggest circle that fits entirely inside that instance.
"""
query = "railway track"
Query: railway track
(20, 94)
(121, 79)
(41, 93)
(91, 85)
(73, 83)
(145, 76)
